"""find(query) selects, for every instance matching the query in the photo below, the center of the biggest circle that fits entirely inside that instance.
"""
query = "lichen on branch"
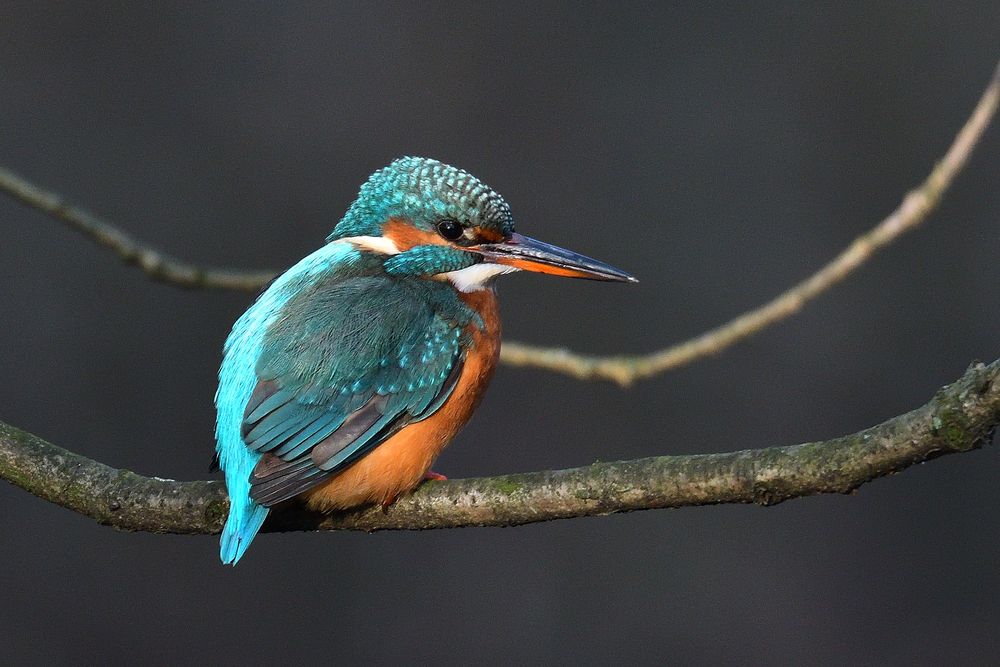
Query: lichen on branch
(959, 418)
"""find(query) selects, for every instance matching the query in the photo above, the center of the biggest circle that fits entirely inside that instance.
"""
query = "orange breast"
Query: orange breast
(398, 464)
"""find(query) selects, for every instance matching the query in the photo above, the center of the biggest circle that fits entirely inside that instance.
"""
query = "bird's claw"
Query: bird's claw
(387, 503)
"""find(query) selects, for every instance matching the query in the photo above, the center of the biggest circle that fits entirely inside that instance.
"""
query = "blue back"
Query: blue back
(237, 379)
(335, 357)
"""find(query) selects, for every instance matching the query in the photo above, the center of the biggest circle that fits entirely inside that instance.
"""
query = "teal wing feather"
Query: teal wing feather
(343, 368)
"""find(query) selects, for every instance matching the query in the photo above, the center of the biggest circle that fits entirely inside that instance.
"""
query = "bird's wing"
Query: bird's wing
(342, 369)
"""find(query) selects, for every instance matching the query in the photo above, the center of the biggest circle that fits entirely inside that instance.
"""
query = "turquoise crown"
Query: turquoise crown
(423, 191)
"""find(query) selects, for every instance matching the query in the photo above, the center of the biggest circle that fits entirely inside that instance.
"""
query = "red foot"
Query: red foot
(429, 475)
(386, 503)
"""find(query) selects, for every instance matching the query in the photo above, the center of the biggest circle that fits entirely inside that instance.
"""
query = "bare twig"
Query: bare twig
(623, 369)
(156, 264)
(911, 212)
(959, 418)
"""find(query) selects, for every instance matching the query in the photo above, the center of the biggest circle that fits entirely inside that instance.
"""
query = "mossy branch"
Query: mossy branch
(959, 418)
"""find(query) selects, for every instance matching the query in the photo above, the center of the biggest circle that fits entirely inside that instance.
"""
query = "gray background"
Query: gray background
(720, 153)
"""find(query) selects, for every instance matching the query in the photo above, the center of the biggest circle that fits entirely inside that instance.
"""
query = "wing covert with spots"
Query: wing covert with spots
(342, 369)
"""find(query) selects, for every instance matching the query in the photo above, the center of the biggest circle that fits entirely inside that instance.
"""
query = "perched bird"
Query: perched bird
(346, 379)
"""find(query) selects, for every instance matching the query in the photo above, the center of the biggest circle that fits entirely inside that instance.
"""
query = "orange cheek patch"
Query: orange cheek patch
(406, 236)
(486, 235)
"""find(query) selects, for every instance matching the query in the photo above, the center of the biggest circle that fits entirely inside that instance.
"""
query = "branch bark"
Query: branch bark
(622, 369)
(959, 418)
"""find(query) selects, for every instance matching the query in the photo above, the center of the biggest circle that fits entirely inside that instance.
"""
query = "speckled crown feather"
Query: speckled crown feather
(424, 191)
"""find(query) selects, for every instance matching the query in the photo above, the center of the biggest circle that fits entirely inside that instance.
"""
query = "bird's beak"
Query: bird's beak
(528, 254)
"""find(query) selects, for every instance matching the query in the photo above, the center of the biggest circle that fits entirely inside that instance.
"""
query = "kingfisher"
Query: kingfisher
(352, 371)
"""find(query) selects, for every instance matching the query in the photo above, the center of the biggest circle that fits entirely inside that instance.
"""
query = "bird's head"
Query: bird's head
(434, 221)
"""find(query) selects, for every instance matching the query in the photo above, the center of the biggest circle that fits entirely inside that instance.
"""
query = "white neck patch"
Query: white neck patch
(476, 277)
(380, 244)
(470, 279)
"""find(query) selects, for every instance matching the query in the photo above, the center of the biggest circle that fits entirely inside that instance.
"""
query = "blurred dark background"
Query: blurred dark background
(720, 153)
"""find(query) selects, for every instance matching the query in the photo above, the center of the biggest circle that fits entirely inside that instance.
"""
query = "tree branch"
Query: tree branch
(960, 417)
(622, 369)
(154, 263)
(913, 210)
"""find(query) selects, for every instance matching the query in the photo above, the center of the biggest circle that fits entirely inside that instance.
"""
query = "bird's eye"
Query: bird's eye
(450, 230)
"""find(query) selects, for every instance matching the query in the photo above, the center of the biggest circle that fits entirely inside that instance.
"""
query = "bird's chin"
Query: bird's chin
(476, 277)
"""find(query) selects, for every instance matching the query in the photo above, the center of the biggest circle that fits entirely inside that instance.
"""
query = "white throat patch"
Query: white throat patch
(476, 277)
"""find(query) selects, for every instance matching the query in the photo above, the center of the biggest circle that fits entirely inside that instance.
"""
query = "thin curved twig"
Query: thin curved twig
(156, 264)
(913, 210)
(960, 417)
(622, 369)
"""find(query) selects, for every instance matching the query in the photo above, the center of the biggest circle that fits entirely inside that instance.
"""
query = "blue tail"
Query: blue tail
(241, 527)
(237, 380)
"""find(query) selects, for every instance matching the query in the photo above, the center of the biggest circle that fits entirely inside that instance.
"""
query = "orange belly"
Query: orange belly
(398, 464)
